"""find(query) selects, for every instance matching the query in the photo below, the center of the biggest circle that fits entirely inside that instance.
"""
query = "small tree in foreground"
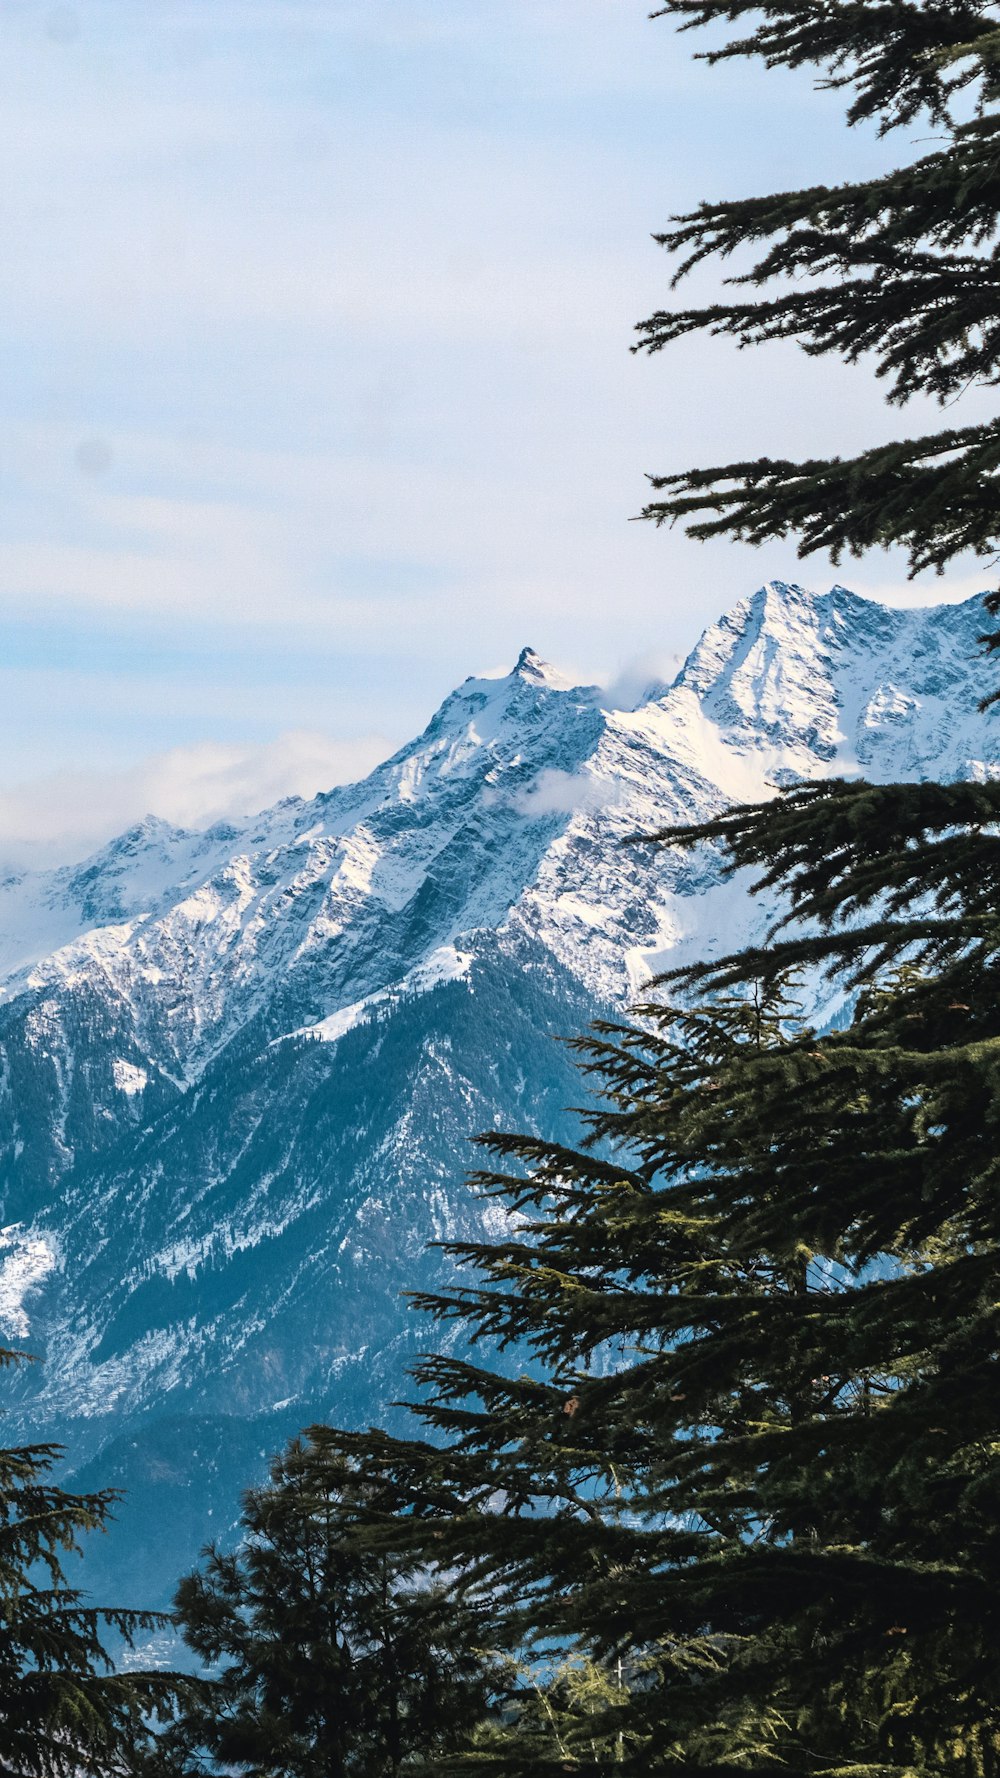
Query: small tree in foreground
(333, 1655)
(64, 1709)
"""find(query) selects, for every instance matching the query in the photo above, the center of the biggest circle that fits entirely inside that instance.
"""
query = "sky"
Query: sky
(316, 393)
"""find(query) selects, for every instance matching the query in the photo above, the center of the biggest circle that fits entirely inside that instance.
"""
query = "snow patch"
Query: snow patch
(128, 1078)
(339, 1023)
(25, 1259)
(446, 964)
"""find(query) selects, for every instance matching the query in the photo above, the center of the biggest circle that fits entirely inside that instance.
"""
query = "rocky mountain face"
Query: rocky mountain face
(239, 1069)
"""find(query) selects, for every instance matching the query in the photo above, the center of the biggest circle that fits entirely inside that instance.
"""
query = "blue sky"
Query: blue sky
(316, 392)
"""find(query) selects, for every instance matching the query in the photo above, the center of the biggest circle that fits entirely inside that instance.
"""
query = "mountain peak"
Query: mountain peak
(532, 667)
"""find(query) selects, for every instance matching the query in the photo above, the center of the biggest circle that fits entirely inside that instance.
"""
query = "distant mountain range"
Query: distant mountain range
(240, 1068)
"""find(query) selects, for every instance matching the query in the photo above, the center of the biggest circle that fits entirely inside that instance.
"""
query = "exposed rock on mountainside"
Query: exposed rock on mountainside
(240, 1067)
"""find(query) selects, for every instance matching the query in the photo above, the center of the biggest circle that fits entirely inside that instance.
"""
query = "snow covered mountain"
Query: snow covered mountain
(240, 1067)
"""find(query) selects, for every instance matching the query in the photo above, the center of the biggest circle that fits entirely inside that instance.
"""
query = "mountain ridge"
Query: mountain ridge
(236, 1093)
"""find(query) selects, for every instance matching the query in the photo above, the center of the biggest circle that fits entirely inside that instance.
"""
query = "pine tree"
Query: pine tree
(902, 267)
(64, 1708)
(333, 1656)
(756, 1453)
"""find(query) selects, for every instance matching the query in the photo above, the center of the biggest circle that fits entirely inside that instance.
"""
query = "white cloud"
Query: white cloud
(564, 793)
(64, 815)
(639, 677)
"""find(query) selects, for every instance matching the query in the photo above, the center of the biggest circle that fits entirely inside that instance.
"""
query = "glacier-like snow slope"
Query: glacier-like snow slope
(240, 1068)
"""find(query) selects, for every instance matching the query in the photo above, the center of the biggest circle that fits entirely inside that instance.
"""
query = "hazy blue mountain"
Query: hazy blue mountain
(240, 1068)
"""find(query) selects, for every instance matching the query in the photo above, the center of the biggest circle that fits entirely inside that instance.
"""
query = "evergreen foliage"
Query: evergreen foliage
(903, 267)
(555, 1719)
(757, 1451)
(64, 1709)
(332, 1655)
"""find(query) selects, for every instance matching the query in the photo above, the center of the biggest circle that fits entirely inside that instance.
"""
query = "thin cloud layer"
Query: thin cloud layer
(65, 815)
